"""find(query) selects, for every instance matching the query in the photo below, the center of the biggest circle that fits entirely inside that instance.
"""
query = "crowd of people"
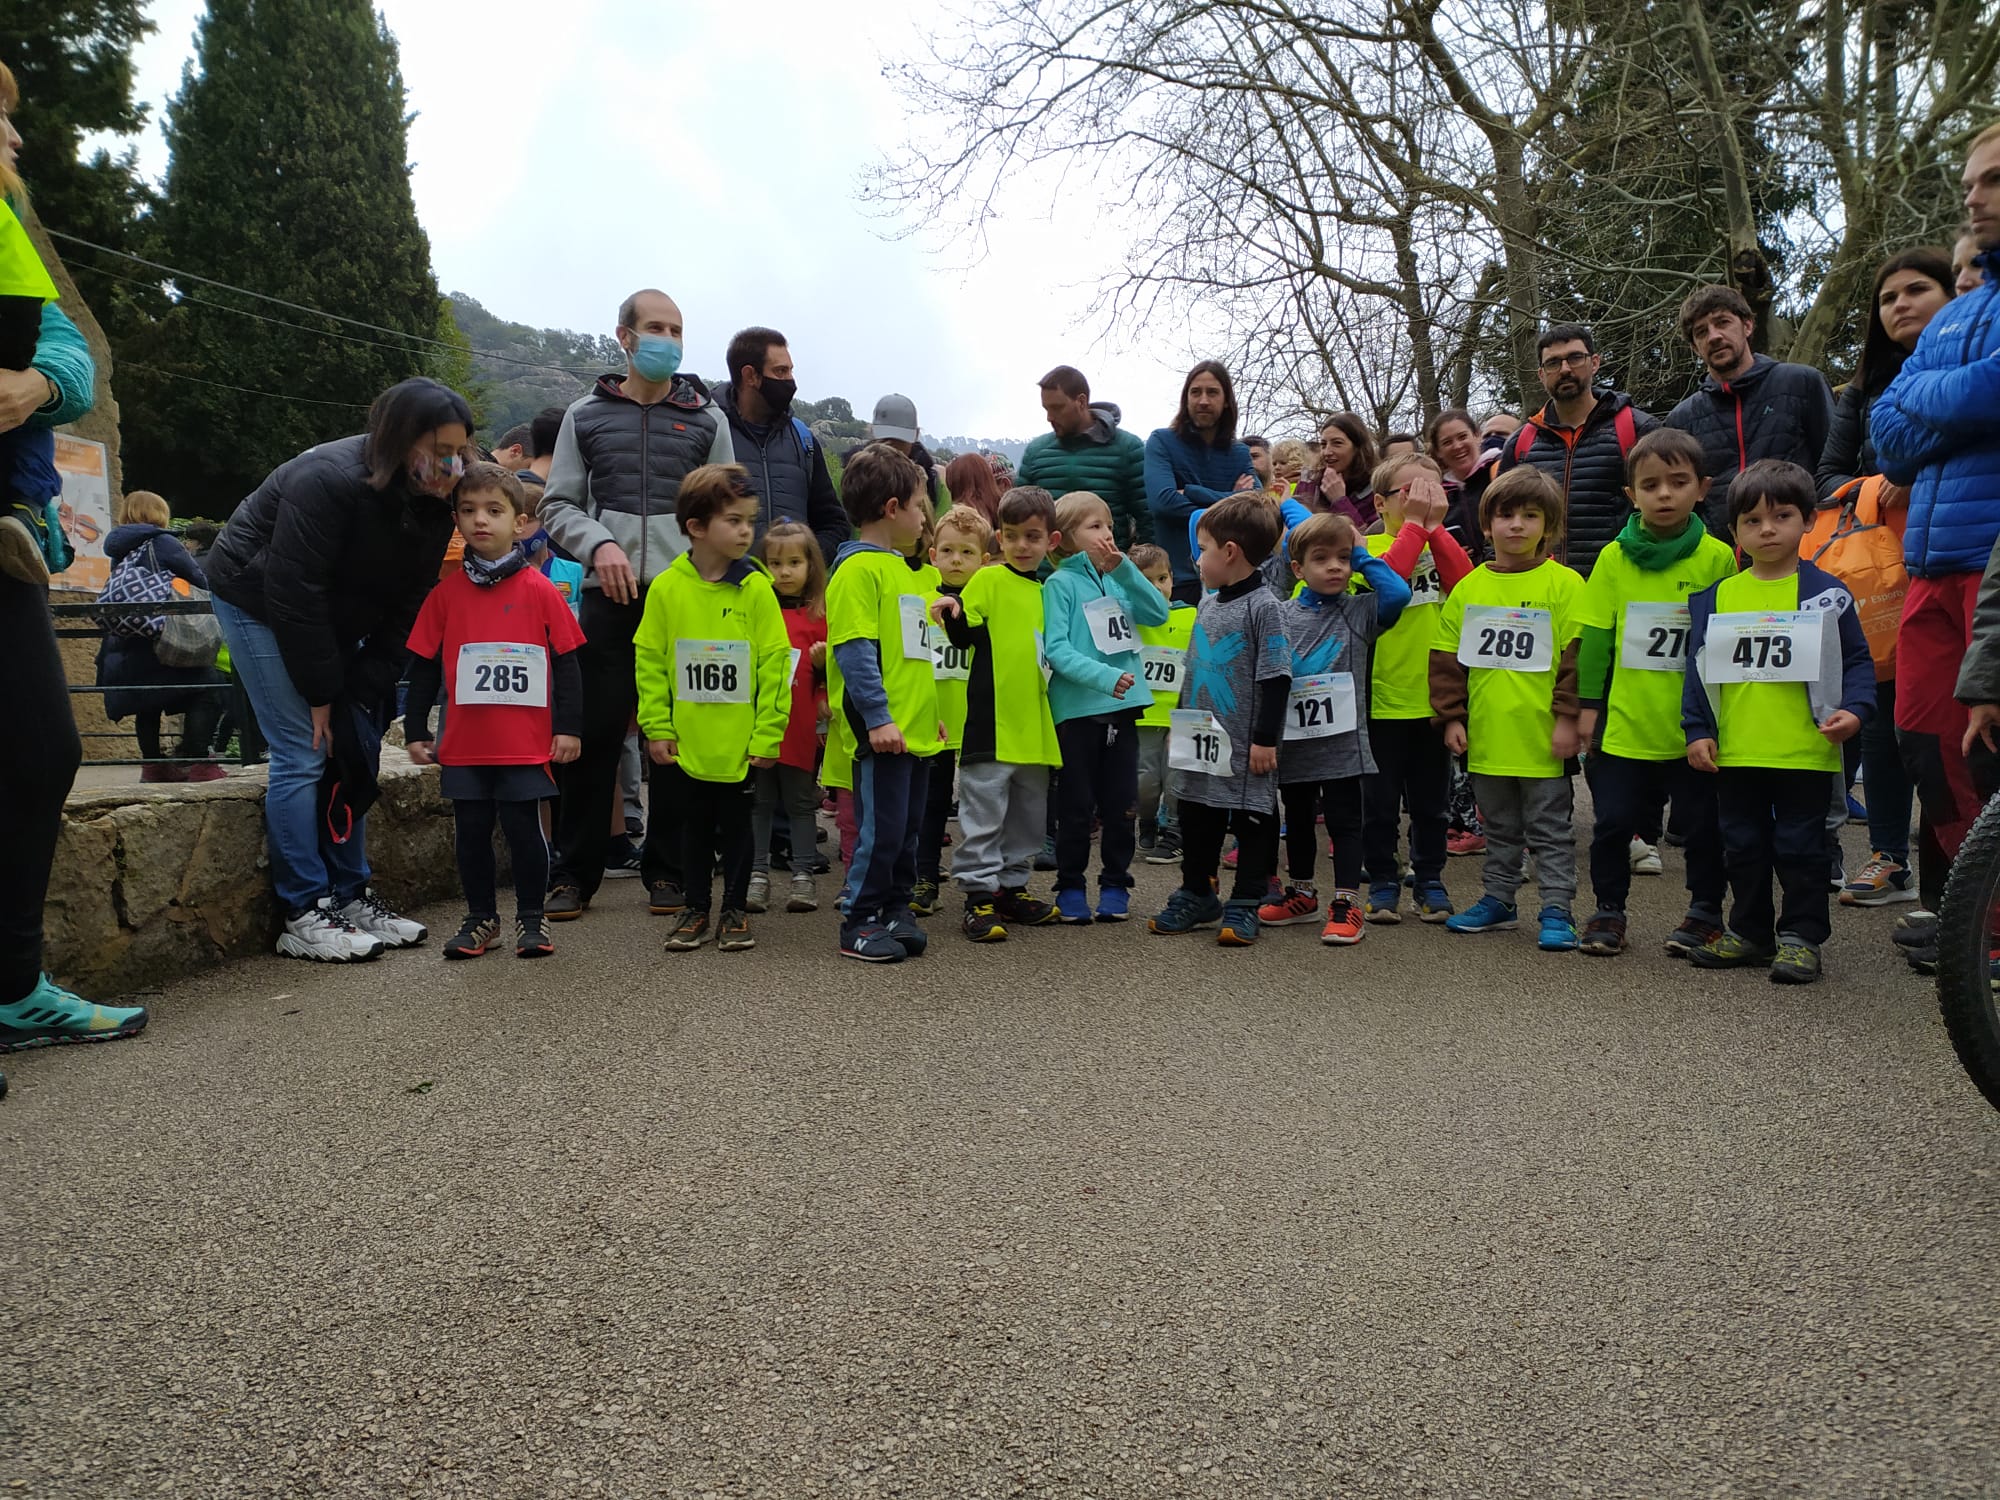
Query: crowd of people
(1189, 649)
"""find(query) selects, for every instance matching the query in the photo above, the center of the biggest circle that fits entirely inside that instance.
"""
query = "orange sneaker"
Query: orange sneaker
(1344, 927)
(1292, 907)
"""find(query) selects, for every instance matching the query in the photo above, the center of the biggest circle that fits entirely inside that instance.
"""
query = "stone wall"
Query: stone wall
(155, 882)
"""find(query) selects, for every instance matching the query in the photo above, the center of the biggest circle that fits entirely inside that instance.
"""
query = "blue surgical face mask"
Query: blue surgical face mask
(657, 357)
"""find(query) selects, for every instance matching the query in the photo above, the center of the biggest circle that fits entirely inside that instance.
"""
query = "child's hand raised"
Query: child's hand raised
(1454, 737)
(1104, 554)
(944, 605)
(1426, 502)
(565, 748)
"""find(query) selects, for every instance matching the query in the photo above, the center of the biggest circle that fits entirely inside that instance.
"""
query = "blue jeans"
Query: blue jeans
(305, 863)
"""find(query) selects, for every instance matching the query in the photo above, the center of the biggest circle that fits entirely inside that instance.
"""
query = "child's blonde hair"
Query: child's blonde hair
(1289, 454)
(967, 522)
(1146, 557)
(1387, 472)
(144, 508)
(1323, 530)
(1073, 510)
(790, 533)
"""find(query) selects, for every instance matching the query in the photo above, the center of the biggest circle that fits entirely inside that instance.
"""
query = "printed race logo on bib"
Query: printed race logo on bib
(1322, 705)
(1508, 640)
(1655, 638)
(502, 674)
(712, 671)
(1778, 646)
(1165, 671)
(1110, 627)
(1196, 741)
(916, 627)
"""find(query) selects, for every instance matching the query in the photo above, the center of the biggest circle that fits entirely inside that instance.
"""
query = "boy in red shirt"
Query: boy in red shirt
(500, 641)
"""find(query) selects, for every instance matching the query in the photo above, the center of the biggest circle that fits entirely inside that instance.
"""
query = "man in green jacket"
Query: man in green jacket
(1085, 449)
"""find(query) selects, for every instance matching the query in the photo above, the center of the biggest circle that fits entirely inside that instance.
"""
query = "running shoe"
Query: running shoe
(1185, 911)
(1484, 915)
(1290, 908)
(474, 936)
(51, 1016)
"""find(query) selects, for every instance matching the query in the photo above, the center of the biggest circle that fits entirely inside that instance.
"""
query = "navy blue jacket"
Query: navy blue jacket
(1848, 683)
(1182, 478)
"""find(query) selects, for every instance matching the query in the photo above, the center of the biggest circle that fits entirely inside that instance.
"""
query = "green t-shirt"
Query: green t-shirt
(1172, 636)
(1399, 684)
(1642, 710)
(1010, 607)
(1767, 724)
(1511, 715)
(953, 670)
(874, 596)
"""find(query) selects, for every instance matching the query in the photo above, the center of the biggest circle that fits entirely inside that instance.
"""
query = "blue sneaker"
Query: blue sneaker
(911, 938)
(51, 1016)
(1382, 898)
(1433, 902)
(1185, 911)
(1073, 906)
(1240, 925)
(1484, 915)
(1114, 904)
(872, 943)
(1558, 930)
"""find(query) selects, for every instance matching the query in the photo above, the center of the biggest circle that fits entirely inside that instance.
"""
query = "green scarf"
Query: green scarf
(1652, 554)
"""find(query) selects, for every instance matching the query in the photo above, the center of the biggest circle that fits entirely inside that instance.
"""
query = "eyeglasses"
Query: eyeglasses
(1566, 362)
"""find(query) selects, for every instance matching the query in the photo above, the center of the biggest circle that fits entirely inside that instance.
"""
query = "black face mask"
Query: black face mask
(778, 394)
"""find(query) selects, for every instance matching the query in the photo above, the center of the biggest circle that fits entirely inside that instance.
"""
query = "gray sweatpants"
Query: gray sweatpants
(1002, 817)
(1159, 784)
(1532, 813)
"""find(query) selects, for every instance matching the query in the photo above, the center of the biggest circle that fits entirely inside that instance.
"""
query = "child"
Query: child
(882, 696)
(959, 551)
(1288, 462)
(1503, 683)
(498, 639)
(1226, 738)
(562, 571)
(1096, 602)
(1325, 755)
(1412, 766)
(1163, 649)
(1630, 663)
(1010, 740)
(1779, 677)
(798, 574)
(715, 695)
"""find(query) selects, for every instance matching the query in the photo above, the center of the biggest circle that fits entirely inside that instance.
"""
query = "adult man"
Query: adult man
(511, 451)
(1934, 432)
(1192, 464)
(543, 430)
(1580, 439)
(894, 422)
(785, 462)
(1260, 457)
(1750, 406)
(620, 457)
(1086, 449)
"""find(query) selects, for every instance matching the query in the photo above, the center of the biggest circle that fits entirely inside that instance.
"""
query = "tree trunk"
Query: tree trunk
(1422, 350)
(1748, 269)
(1515, 220)
(1843, 289)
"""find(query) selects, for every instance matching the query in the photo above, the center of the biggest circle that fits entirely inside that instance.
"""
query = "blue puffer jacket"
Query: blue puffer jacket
(1935, 430)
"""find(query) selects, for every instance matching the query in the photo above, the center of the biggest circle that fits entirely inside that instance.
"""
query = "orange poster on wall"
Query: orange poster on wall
(86, 511)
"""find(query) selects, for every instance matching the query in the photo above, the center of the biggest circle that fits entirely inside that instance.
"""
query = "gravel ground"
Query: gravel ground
(1090, 1213)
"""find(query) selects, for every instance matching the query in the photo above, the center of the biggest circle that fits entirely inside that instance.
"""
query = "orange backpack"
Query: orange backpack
(1863, 548)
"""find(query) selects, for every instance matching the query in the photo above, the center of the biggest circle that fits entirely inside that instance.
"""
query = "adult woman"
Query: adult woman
(39, 747)
(971, 480)
(1909, 289)
(317, 579)
(1965, 271)
(136, 683)
(1453, 441)
(1347, 460)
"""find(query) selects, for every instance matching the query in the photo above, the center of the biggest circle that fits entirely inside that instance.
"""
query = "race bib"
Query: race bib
(950, 663)
(916, 627)
(1042, 659)
(1508, 640)
(712, 671)
(1322, 706)
(1165, 671)
(792, 664)
(1196, 741)
(1111, 629)
(1656, 637)
(1425, 587)
(1781, 646)
(502, 674)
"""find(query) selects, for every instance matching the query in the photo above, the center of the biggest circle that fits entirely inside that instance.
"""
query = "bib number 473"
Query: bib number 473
(1763, 652)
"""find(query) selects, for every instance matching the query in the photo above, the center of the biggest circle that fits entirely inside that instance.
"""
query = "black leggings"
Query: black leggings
(1342, 800)
(39, 754)
(1202, 831)
(478, 871)
(197, 727)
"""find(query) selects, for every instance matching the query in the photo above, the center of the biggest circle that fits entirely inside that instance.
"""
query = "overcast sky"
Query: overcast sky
(716, 151)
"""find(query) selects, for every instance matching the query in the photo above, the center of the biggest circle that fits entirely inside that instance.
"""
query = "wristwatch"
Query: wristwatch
(55, 392)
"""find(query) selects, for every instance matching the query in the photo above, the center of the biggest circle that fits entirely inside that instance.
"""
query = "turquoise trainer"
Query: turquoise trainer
(51, 1015)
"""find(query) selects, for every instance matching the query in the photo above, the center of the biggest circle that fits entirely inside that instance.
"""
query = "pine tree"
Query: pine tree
(288, 177)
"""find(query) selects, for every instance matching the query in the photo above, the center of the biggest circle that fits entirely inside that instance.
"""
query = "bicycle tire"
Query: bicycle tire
(1966, 998)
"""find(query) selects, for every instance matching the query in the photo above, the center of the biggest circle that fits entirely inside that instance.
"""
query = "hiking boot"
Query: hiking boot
(1466, 842)
(1728, 951)
(902, 926)
(1797, 961)
(924, 898)
(50, 1016)
(1645, 859)
(1604, 935)
(872, 944)
(531, 938)
(732, 932)
(1693, 933)
(758, 898)
(1382, 898)
(1166, 849)
(1344, 927)
(689, 931)
(1558, 934)
(1114, 904)
(474, 936)
(1023, 910)
(805, 894)
(665, 899)
(1484, 915)
(1239, 924)
(981, 922)
(322, 935)
(1433, 902)
(368, 913)
(1073, 906)
(1882, 882)
(1289, 908)
(1185, 911)
(564, 904)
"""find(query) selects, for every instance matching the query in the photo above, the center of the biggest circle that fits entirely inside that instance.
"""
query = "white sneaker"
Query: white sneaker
(367, 913)
(759, 899)
(319, 934)
(1645, 858)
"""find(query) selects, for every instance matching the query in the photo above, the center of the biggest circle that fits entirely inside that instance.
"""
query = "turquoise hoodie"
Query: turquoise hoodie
(1084, 676)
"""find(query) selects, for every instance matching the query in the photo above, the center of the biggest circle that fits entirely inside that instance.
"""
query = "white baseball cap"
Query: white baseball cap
(895, 417)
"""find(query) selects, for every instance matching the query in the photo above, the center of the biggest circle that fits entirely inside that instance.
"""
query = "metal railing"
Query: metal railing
(85, 621)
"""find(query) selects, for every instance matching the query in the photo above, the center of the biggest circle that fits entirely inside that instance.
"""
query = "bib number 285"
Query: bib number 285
(498, 677)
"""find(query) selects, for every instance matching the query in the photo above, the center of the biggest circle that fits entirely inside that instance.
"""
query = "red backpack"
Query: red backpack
(1622, 422)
